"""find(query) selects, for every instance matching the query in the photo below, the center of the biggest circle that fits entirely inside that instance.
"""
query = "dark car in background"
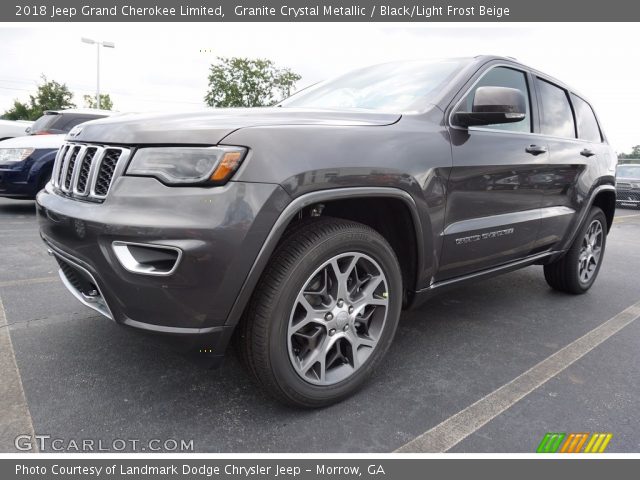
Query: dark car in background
(26, 162)
(305, 229)
(628, 185)
(57, 122)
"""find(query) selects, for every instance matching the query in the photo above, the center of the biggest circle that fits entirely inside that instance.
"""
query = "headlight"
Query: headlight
(187, 165)
(14, 154)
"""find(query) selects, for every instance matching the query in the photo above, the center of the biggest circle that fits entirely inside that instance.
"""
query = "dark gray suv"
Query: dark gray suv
(303, 230)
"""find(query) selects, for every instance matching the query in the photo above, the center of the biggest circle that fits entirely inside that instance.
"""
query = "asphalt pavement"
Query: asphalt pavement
(70, 374)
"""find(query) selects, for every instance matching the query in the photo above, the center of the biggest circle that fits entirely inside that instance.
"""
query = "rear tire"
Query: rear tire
(323, 314)
(577, 270)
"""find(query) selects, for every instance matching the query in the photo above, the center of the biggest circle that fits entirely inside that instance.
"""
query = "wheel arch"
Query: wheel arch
(294, 211)
(606, 201)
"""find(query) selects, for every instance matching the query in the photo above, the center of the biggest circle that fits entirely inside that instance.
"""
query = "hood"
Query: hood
(211, 126)
(34, 141)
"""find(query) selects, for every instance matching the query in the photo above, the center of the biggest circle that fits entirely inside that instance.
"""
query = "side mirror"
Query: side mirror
(27, 130)
(493, 105)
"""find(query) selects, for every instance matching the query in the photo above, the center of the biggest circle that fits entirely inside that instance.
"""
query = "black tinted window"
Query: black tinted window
(587, 124)
(503, 77)
(556, 115)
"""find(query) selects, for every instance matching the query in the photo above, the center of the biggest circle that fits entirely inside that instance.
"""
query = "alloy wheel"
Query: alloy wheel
(590, 251)
(338, 318)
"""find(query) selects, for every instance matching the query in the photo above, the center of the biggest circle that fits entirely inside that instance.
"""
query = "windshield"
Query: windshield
(397, 87)
(628, 171)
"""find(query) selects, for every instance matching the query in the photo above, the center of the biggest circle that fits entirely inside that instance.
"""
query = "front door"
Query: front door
(493, 194)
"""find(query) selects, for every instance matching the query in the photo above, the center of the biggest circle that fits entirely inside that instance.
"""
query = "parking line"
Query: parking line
(456, 428)
(621, 218)
(15, 418)
(28, 281)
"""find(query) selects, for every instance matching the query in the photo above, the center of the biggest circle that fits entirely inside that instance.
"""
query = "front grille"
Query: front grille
(87, 171)
(72, 163)
(84, 169)
(628, 196)
(105, 172)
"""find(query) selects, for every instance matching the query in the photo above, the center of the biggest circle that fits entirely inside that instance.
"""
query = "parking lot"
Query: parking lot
(83, 377)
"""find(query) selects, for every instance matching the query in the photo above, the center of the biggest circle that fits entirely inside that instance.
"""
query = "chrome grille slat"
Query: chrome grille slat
(67, 180)
(84, 169)
(56, 166)
(62, 155)
(65, 166)
(87, 171)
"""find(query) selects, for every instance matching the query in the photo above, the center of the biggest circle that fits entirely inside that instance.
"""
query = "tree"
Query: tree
(635, 153)
(50, 95)
(246, 82)
(105, 101)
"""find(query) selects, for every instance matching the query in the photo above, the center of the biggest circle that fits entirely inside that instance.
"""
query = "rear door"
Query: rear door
(575, 142)
(493, 192)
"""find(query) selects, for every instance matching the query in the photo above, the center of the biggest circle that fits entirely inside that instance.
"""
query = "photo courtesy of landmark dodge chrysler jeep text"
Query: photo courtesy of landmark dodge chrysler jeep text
(304, 229)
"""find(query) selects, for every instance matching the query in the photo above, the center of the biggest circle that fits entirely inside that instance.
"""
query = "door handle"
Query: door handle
(587, 153)
(535, 149)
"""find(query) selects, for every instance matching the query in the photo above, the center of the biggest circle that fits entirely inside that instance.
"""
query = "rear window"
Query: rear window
(42, 124)
(57, 123)
(587, 124)
(556, 115)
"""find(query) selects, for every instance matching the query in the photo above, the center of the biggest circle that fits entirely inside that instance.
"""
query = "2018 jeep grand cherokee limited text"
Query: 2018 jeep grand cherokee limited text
(305, 228)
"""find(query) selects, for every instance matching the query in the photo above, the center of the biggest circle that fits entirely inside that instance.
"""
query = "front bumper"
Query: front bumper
(14, 182)
(22, 180)
(218, 231)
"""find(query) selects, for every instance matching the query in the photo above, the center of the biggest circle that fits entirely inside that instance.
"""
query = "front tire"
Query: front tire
(577, 270)
(324, 312)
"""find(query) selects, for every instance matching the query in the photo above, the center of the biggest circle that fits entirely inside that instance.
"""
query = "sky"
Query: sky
(157, 67)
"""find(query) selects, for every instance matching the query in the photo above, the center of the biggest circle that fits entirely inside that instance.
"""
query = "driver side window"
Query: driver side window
(503, 77)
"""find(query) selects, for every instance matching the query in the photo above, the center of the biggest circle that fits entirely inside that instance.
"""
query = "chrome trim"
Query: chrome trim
(173, 330)
(482, 273)
(65, 167)
(130, 264)
(76, 168)
(494, 221)
(95, 165)
(527, 71)
(120, 165)
(57, 165)
(75, 190)
(99, 304)
(61, 168)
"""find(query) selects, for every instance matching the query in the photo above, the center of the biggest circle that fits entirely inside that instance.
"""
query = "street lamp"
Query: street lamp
(98, 45)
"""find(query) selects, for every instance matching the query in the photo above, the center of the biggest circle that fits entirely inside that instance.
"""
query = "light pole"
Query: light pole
(98, 45)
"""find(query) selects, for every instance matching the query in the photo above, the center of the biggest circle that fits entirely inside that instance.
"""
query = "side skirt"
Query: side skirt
(425, 294)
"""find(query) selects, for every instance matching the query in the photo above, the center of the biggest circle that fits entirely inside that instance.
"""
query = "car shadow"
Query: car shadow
(22, 208)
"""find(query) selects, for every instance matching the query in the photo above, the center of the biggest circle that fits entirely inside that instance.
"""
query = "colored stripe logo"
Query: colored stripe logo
(554, 442)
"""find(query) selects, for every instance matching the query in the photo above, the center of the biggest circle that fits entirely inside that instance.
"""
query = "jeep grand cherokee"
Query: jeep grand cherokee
(304, 229)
